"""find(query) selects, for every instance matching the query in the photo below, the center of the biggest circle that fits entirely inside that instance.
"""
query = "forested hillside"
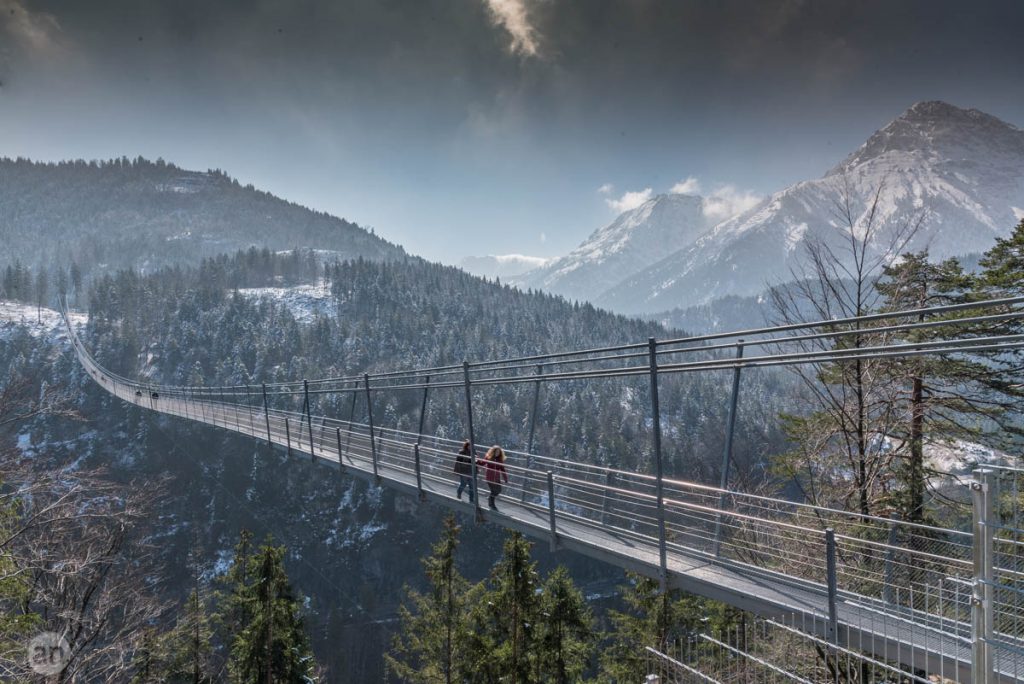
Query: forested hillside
(352, 547)
(137, 213)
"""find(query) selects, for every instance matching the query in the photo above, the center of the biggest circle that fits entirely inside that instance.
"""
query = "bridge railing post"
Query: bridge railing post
(248, 405)
(652, 346)
(551, 510)
(983, 495)
(609, 495)
(533, 431)
(730, 430)
(423, 409)
(351, 417)
(341, 466)
(288, 437)
(419, 475)
(309, 421)
(369, 421)
(831, 584)
(472, 438)
(266, 415)
(890, 560)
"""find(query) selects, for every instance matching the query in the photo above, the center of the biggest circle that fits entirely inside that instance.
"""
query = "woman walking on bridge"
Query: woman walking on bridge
(464, 469)
(493, 462)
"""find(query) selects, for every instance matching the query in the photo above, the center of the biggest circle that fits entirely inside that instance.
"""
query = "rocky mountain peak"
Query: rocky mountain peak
(939, 131)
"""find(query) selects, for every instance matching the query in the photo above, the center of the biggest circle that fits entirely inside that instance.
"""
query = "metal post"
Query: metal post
(472, 439)
(423, 410)
(369, 421)
(606, 504)
(248, 405)
(351, 417)
(551, 510)
(533, 413)
(890, 559)
(419, 476)
(266, 415)
(529, 441)
(309, 421)
(727, 451)
(830, 579)
(288, 437)
(659, 469)
(983, 496)
(341, 466)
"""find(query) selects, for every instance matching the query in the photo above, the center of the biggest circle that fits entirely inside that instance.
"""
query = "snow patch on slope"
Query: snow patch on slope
(306, 302)
(39, 323)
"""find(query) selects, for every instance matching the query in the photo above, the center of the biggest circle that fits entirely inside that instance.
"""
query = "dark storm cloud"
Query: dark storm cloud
(468, 120)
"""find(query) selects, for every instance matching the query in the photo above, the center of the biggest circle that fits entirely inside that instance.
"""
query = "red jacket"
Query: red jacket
(496, 472)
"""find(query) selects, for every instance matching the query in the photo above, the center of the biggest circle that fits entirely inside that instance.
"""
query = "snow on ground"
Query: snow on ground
(45, 322)
(960, 457)
(306, 302)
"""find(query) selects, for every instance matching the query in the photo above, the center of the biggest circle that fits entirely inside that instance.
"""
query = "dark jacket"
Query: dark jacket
(463, 464)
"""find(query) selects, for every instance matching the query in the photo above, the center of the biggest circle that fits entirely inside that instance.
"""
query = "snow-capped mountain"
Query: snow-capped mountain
(633, 241)
(960, 170)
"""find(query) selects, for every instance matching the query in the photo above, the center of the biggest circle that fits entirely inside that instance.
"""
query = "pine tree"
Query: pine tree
(187, 649)
(654, 619)
(42, 289)
(501, 645)
(1003, 266)
(915, 283)
(566, 640)
(426, 649)
(273, 646)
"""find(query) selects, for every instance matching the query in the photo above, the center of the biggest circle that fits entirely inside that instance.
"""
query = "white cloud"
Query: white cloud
(37, 31)
(690, 186)
(512, 16)
(606, 188)
(516, 259)
(727, 201)
(630, 200)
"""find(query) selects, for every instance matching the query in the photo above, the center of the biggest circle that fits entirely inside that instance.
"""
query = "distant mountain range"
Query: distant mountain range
(137, 213)
(633, 241)
(961, 170)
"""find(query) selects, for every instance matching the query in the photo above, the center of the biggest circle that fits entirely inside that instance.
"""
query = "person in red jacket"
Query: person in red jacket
(493, 464)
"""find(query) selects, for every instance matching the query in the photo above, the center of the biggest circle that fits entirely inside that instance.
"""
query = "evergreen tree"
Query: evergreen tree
(42, 289)
(1002, 266)
(427, 650)
(654, 619)
(76, 279)
(186, 651)
(566, 640)
(502, 644)
(915, 283)
(273, 646)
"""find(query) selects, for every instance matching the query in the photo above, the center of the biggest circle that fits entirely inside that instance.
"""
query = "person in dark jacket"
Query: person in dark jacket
(464, 469)
(494, 466)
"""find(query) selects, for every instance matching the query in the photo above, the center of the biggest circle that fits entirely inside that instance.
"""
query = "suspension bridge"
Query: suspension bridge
(945, 602)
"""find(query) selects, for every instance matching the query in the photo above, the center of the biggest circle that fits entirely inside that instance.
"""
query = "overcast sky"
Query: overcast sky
(459, 127)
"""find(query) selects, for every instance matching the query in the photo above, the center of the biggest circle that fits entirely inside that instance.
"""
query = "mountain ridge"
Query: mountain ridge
(961, 170)
(137, 213)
